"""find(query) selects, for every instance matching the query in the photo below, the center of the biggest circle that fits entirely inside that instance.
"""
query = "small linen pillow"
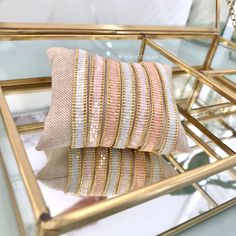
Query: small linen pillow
(86, 172)
(99, 102)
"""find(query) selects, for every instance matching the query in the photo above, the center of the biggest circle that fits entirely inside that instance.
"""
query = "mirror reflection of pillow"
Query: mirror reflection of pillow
(147, 169)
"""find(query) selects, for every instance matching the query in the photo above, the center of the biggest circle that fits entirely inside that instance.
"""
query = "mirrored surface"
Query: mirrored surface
(182, 204)
(221, 224)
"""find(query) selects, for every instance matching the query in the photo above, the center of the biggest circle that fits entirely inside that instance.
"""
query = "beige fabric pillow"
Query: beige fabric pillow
(58, 125)
(55, 173)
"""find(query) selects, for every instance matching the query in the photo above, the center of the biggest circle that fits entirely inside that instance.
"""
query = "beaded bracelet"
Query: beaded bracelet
(172, 123)
(79, 106)
(142, 114)
(139, 177)
(149, 169)
(113, 93)
(95, 101)
(127, 107)
(114, 171)
(125, 180)
(152, 140)
(75, 171)
(156, 174)
(100, 177)
(88, 168)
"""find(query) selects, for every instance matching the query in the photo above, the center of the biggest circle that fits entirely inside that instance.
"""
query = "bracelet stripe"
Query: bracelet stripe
(142, 107)
(172, 125)
(113, 94)
(127, 108)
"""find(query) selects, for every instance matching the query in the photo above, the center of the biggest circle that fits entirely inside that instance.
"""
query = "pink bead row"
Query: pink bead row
(112, 112)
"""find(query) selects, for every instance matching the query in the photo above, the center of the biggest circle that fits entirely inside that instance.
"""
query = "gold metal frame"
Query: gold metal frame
(204, 76)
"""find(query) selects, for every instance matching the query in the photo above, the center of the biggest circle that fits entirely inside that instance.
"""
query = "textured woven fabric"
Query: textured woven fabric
(99, 102)
(55, 173)
(57, 126)
(126, 172)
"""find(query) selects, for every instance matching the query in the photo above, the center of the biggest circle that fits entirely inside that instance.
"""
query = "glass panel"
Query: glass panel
(231, 77)
(183, 84)
(152, 55)
(208, 97)
(225, 58)
(23, 104)
(25, 59)
(17, 183)
(224, 129)
(134, 12)
(222, 186)
(8, 222)
(192, 52)
(219, 119)
(223, 222)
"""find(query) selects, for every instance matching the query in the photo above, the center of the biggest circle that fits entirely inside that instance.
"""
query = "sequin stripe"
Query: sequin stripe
(139, 170)
(113, 104)
(87, 170)
(133, 105)
(165, 123)
(142, 107)
(177, 119)
(102, 62)
(162, 142)
(148, 169)
(69, 158)
(75, 171)
(122, 104)
(172, 125)
(127, 107)
(151, 167)
(81, 100)
(100, 172)
(74, 138)
(125, 181)
(105, 100)
(157, 173)
(93, 112)
(113, 171)
(160, 162)
(86, 96)
(152, 137)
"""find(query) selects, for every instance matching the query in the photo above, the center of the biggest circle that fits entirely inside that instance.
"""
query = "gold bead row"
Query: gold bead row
(74, 99)
(91, 68)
